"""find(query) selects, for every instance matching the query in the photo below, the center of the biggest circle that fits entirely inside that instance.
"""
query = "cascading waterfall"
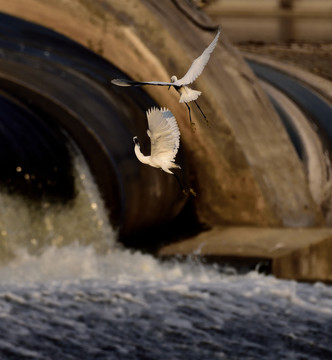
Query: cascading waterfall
(34, 226)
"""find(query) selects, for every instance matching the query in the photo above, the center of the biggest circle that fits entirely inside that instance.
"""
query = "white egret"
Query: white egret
(164, 135)
(186, 93)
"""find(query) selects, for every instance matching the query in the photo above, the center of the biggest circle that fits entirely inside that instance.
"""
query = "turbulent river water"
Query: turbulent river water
(68, 291)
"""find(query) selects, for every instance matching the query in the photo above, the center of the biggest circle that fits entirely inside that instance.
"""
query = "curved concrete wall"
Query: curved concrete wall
(67, 84)
(243, 166)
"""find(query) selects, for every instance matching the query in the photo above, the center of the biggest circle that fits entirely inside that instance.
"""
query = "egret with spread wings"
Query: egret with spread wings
(164, 135)
(186, 93)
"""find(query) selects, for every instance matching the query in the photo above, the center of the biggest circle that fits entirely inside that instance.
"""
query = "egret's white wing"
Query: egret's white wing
(164, 133)
(198, 64)
(124, 82)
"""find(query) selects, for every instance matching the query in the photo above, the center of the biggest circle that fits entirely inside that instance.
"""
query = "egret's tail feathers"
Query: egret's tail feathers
(188, 94)
(176, 166)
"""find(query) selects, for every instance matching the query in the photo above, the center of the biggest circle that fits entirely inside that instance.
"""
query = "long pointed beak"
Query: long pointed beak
(169, 87)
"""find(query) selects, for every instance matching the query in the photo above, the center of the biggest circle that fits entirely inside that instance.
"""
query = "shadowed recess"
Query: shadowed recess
(34, 157)
(57, 87)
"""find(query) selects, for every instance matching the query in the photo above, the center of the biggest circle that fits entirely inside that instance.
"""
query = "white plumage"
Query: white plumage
(164, 135)
(198, 64)
(165, 140)
(186, 93)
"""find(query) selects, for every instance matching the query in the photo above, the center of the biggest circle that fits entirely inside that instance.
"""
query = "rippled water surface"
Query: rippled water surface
(70, 303)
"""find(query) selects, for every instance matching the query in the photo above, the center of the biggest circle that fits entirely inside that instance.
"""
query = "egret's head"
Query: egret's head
(173, 79)
(135, 140)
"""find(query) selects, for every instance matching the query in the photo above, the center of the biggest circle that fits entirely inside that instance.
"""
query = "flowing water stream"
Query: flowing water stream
(69, 291)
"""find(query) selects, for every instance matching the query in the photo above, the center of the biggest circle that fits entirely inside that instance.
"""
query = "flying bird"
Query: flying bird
(164, 135)
(186, 93)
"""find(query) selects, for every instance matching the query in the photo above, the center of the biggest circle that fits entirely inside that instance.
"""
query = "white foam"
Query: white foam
(75, 243)
(78, 262)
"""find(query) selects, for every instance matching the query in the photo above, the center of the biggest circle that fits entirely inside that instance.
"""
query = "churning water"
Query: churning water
(68, 292)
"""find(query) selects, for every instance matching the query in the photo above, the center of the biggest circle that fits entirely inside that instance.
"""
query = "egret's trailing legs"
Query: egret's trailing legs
(184, 187)
(189, 110)
(205, 118)
(191, 123)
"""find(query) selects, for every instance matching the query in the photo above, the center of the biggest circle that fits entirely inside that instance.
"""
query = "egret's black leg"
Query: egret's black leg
(183, 186)
(201, 111)
(191, 123)
(179, 182)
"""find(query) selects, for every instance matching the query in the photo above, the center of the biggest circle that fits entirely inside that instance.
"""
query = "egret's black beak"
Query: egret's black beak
(169, 87)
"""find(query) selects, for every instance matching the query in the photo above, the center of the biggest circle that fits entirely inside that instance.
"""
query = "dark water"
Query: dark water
(67, 291)
(128, 306)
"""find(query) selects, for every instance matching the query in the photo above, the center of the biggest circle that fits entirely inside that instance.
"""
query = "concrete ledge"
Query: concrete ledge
(301, 254)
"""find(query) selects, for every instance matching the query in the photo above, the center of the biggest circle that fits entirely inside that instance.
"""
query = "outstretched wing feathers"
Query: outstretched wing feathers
(198, 64)
(125, 82)
(192, 74)
(164, 133)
